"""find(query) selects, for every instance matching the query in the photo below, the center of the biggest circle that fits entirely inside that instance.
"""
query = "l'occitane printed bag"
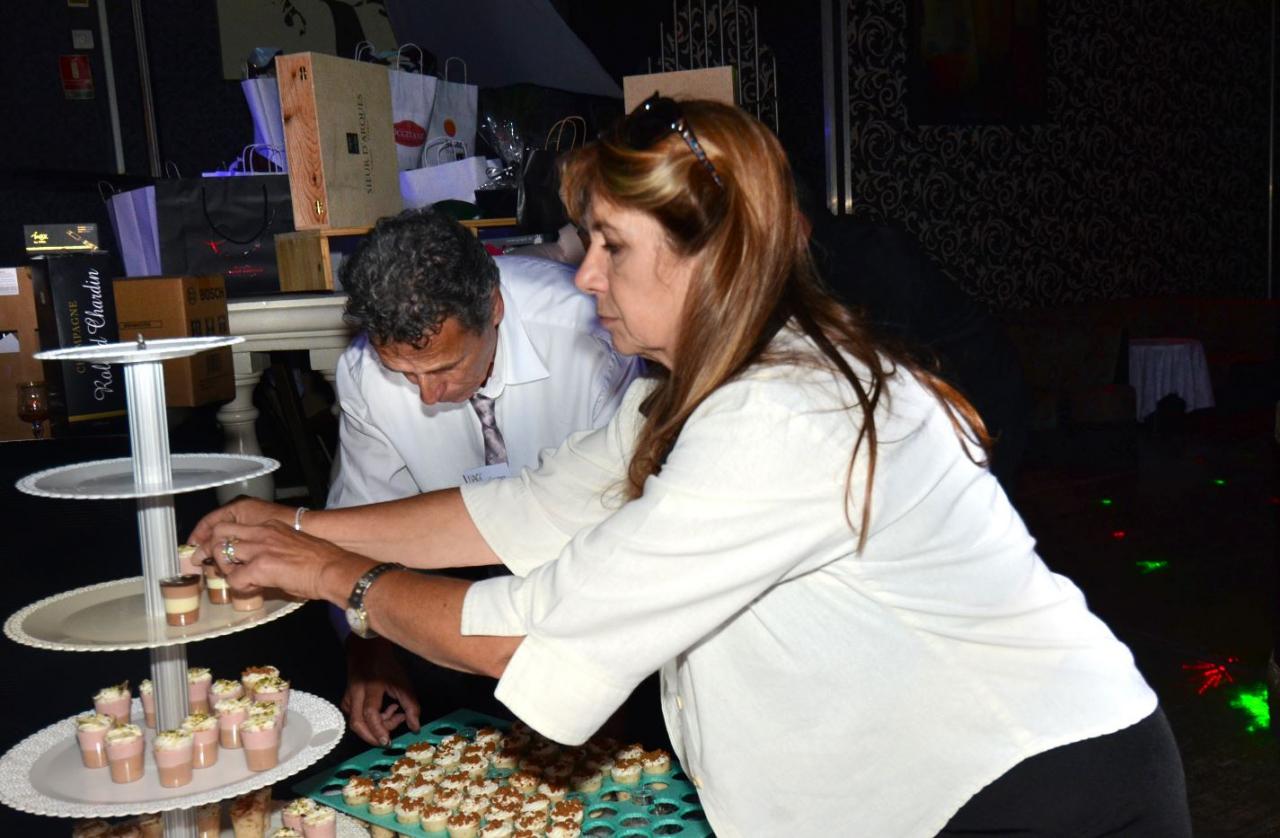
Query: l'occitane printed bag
(453, 115)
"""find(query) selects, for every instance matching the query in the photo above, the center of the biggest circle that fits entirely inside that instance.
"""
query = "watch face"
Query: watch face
(358, 621)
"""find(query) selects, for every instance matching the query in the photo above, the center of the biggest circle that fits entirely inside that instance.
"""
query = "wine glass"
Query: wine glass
(33, 405)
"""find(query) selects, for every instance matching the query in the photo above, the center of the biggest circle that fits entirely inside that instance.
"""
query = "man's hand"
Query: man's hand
(373, 673)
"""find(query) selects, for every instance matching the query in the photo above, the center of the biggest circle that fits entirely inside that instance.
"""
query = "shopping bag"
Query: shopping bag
(224, 225)
(133, 219)
(453, 114)
(263, 96)
(412, 96)
(538, 205)
(457, 180)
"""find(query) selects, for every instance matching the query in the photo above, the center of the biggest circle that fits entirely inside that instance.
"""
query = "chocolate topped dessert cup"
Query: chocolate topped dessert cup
(175, 757)
(115, 701)
(181, 599)
(91, 735)
(215, 584)
(124, 753)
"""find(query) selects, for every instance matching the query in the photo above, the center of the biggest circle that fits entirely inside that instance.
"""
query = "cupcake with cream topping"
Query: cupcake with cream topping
(535, 822)
(357, 790)
(539, 803)
(564, 829)
(483, 787)
(421, 752)
(488, 734)
(396, 784)
(496, 829)
(421, 789)
(586, 782)
(463, 825)
(568, 810)
(626, 771)
(409, 810)
(434, 818)
(474, 805)
(475, 765)
(554, 790)
(525, 833)
(406, 767)
(449, 799)
(656, 761)
(505, 759)
(383, 801)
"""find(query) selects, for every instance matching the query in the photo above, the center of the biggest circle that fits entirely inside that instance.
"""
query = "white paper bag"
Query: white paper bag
(412, 96)
(456, 181)
(453, 115)
(263, 96)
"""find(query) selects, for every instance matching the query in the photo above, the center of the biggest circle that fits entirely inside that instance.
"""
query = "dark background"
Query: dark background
(1148, 175)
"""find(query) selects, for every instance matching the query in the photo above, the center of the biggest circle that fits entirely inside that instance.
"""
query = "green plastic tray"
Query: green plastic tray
(644, 811)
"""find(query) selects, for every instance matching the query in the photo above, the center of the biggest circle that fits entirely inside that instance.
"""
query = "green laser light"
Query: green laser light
(1253, 701)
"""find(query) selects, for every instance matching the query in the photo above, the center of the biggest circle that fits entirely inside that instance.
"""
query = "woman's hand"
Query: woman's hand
(273, 555)
(242, 510)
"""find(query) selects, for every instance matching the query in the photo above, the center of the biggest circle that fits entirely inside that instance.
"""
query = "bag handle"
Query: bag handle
(107, 191)
(575, 126)
(449, 61)
(400, 57)
(268, 216)
(266, 152)
(171, 169)
(363, 49)
(439, 145)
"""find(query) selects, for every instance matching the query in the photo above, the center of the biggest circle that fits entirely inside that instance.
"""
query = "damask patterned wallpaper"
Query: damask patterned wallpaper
(1147, 177)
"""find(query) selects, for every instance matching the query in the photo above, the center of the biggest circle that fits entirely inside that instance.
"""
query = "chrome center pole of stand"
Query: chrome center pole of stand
(149, 436)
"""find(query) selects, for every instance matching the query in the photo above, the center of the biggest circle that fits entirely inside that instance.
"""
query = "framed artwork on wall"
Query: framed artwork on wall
(976, 62)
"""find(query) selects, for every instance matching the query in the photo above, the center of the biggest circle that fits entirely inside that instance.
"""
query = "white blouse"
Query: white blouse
(809, 689)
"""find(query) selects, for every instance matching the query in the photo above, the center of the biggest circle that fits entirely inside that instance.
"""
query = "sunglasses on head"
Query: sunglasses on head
(655, 118)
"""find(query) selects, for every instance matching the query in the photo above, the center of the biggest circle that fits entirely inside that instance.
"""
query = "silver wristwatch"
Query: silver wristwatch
(357, 617)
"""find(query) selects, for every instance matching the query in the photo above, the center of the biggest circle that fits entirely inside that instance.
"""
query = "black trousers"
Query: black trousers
(1128, 783)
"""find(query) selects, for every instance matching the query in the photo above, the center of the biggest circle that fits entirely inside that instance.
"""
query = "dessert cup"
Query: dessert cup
(215, 584)
(124, 753)
(198, 681)
(209, 821)
(204, 738)
(274, 689)
(224, 689)
(292, 814)
(231, 714)
(322, 823)
(181, 599)
(175, 757)
(187, 561)
(115, 701)
(148, 695)
(260, 738)
(91, 736)
(249, 813)
(249, 599)
(252, 674)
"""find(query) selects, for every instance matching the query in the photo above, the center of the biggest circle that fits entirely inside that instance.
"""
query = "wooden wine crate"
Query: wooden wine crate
(306, 258)
(339, 141)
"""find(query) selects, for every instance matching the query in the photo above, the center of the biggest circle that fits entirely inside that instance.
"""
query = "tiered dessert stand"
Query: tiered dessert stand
(43, 774)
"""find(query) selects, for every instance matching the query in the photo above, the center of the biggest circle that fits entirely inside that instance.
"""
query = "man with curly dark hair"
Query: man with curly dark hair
(465, 368)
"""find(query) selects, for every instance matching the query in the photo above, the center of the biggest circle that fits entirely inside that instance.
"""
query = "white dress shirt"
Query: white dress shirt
(554, 372)
(809, 689)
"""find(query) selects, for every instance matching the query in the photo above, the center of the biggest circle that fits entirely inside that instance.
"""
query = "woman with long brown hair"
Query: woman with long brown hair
(795, 526)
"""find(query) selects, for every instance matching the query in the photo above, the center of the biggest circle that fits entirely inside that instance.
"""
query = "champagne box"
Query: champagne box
(75, 306)
(18, 343)
(339, 141)
(179, 307)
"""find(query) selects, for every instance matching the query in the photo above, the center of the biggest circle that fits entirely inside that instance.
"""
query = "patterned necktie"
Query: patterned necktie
(495, 450)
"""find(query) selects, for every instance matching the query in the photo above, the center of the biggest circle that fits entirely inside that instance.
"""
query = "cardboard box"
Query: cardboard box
(339, 141)
(19, 341)
(75, 306)
(714, 83)
(179, 307)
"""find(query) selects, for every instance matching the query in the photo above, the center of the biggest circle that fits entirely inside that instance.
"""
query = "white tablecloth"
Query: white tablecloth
(1159, 367)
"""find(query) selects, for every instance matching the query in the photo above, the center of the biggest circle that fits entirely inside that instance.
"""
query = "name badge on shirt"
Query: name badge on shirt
(485, 473)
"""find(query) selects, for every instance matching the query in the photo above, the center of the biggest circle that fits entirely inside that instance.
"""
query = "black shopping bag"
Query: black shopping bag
(224, 225)
(539, 208)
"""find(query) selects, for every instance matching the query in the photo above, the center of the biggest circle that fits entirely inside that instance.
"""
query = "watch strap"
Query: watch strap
(356, 600)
